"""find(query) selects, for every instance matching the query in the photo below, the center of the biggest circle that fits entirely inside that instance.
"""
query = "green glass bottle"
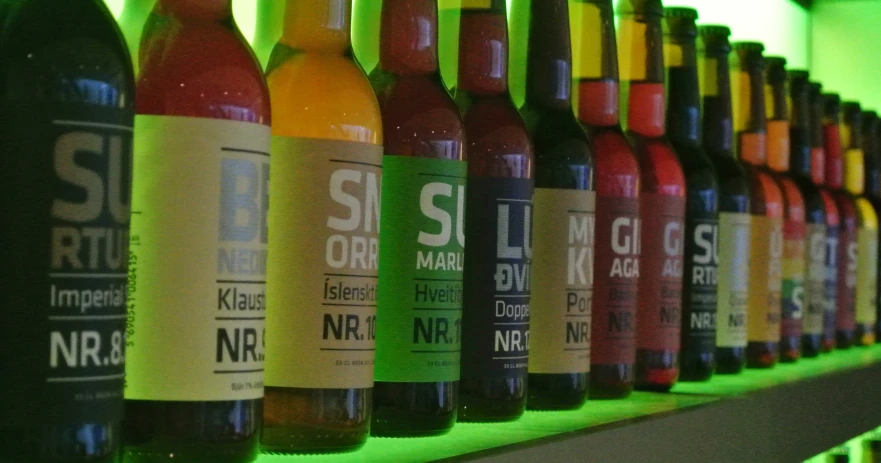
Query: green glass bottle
(65, 188)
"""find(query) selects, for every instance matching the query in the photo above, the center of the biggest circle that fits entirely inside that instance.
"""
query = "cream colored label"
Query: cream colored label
(324, 223)
(766, 277)
(867, 276)
(562, 281)
(815, 301)
(734, 248)
(198, 260)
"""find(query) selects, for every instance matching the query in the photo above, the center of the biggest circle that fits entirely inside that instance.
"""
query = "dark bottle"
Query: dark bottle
(813, 300)
(210, 108)
(495, 346)
(698, 338)
(846, 258)
(563, 218)
(734, 200)
(830, 208)
(662, 197)
(65, 172)
(613, 350)
(872, 149)
(416, 388)
(793, 269)
(766, 240)
(867, 225)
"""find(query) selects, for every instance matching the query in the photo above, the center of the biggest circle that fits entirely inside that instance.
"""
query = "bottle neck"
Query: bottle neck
(683, 94)
(799, 130)
(834, 158)
(197, 10)
(854, 164)
(549, 60)
(750, 120)
(716, 92)
(408, 37)
(596, 63)
(777, 111)
(641, 55)
(483, 50)
(317, 25)
(818, 151)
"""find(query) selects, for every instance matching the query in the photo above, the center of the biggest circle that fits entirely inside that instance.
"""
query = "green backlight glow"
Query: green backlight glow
(468, 438)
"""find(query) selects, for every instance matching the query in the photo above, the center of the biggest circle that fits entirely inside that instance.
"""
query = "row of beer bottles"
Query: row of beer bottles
(454, 328)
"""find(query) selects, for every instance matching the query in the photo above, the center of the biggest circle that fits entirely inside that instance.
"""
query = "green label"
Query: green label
(419, 312)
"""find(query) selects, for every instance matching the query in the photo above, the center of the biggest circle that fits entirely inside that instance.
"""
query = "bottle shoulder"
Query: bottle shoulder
(323, 96)
(659, 165)
(201, 69)
(71, 52)
(419, 117)
(498, 140)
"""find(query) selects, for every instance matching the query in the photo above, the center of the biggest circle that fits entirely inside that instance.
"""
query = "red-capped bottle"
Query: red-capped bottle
(830, 208)
(813, 299)
(766, 240)
(191, 393)
(616, 267)
(846, 258)
(700, 237)
(495, 318)
(563, 230)
(734, 200)
(792, 298)
(662, 197)
(415, 393)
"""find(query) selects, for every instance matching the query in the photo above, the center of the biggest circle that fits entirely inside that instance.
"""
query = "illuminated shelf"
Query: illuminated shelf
(789, 413)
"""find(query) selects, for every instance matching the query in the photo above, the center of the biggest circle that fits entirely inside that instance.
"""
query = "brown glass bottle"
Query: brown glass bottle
(871, 140)
(564, 181)
(420, 121)
(495, 347)
(700, 269)
(794, 226)
(766, 241)
(613, 349)
(734, 200)
(662, 198)
(846, 259)
(833, 219)
(800, 170)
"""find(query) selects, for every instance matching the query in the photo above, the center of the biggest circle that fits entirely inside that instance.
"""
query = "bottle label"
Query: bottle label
(766, 273)
(867, 276)
(498, 271)
(562, 281)
(322, 270)
(616, 272)
(830, 316)
(660, 285)
(735, 232)
(848, 263)
(815, 286)
(778, 145)
(792, 298)
(64, 199)
(419, 310)
(699, 297)
(854, 170)
(197, 273)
